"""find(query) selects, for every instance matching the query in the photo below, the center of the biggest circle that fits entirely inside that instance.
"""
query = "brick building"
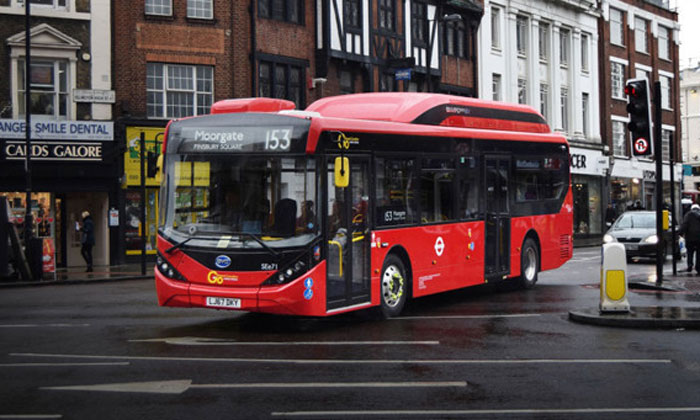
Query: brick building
(638, 39)
(73, 161)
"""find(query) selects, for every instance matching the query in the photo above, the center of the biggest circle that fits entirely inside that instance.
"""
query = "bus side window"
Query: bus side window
(395, 188)
(437, 193)
(469, 188)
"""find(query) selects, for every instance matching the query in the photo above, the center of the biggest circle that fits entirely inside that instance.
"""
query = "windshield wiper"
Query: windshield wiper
(258, 240)
(178, 245)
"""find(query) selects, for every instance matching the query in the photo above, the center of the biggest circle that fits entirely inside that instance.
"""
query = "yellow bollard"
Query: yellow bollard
(613, 279)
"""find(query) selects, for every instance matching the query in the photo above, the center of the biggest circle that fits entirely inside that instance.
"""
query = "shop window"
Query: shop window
(437, 190)
(396, 192)
(133, 225)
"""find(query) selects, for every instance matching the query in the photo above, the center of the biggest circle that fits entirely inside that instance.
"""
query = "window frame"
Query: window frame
(664, 40)
(288, 84)
(544, 41)
(192, 7)
(639, 33)
(617, 27)
(585, 113)
(666, 92)
(419, 19)
(564, 103)
(618, 93)
(496, 85)
(165, 89)
(167, 9)
(496, 13)
(544, 100)
(267, 11)
(585, 52)
(564, 47)
(619, 142)
(55, 87)
(521, 35)
(522, 90)
(387, 7)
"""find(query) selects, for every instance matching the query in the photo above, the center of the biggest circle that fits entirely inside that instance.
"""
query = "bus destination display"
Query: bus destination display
(238, 139)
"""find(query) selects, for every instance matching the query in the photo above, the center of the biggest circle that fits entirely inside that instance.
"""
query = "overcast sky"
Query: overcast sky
(689, 18)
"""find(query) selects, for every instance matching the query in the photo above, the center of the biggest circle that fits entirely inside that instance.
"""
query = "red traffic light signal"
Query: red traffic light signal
(637, 91)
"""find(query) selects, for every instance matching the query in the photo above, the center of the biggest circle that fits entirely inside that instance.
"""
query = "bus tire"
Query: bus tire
(393, 287)
(529, 264)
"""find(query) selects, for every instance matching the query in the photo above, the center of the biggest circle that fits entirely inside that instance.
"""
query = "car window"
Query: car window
(637, 221)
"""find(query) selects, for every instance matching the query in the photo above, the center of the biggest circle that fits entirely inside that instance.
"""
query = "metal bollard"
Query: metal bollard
(613, 279)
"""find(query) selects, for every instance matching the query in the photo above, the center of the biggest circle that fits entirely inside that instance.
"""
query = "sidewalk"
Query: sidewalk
(77, 275)
(660, 315)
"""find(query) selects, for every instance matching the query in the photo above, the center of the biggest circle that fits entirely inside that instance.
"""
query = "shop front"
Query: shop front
(133, 228)
(588, 179)
(74, 169)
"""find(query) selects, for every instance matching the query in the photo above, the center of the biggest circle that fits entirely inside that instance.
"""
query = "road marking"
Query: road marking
(351, 361)
(31, 416)
(403, 413)
(180, 386)
(203, 341)
(468, 316)
(43, 325)
(64, 364)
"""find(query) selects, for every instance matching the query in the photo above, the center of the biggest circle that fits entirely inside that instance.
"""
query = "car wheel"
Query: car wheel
(394, 287)
(529, 264)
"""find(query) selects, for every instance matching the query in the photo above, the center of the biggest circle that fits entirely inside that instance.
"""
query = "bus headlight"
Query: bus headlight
(608, 238)
(164, 267)
(652, 239)
(288, 273)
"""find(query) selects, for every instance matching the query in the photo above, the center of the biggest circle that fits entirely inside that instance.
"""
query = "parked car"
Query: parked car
(636, 230)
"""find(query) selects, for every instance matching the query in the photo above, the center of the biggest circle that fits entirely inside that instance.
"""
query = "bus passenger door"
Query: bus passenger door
(497, 173)
(347, 229)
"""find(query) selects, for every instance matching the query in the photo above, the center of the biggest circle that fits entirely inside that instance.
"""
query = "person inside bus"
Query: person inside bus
(305, 222)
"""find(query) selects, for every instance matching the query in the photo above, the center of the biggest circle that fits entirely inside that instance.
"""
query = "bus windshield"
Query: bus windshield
(240, 200)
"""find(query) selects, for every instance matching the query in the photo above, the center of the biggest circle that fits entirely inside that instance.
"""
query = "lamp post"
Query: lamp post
(28, 222)
(452, 17)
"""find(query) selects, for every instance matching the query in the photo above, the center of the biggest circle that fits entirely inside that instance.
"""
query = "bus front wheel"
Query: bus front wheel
(529, 264)
(394, 287)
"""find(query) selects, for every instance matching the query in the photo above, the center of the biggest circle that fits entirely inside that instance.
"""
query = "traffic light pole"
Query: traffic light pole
(659, 185)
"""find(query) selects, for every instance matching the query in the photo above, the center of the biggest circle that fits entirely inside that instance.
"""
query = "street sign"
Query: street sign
(403, 74)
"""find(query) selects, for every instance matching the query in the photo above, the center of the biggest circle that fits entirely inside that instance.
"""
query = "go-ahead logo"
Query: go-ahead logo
(222, 261)
(215, 278)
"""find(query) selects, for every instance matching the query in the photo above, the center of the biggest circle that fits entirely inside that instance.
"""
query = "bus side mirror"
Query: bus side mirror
(342, 172)
(664, 219)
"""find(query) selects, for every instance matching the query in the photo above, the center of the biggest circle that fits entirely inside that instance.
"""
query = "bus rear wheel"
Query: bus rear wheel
(394, 287)
(529, 264)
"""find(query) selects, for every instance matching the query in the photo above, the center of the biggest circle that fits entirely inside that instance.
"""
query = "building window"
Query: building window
(419, 23)
(496, 86)
(544, 41)
(387, 82)
(663, 43)
(666, 145)
(565, 109)
(49, 89)
(640, 35)
(159, 7)
(665, 92)
(386, 14)
(564, 42)
(495, 28)
(584, 113)
(284, 10)
(56, 4)
(641, 74)
(346, 82)
(584, 52)
(544, 100)
(521, 35)
(617, 71)
(455, 36)
(200, 9)
(522, 91)
(617, 27)
(618, 137)
(178, 90)
(282, 81)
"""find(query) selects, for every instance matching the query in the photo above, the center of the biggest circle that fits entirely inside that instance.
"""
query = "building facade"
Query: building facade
(73, 149)
(545, 54)
(690, 120)
(638, 39)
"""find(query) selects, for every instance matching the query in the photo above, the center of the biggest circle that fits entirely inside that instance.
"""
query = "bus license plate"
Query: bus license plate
(222, 302)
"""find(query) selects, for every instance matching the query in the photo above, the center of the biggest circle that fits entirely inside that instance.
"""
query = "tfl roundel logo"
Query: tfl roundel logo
(222, 261)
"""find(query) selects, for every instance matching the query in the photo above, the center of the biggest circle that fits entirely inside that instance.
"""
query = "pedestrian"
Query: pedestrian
(87, 239)
(690, 229)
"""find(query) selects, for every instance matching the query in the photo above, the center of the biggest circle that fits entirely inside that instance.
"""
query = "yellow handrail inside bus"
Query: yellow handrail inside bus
(357, 236)
(340, 256)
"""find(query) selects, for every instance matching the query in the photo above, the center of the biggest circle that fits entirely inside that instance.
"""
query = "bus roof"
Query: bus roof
(432, 109)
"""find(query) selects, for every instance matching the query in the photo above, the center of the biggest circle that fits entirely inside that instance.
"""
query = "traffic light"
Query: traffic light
(151, 164)
(637, 91)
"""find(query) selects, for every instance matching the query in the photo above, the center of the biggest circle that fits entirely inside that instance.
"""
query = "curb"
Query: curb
(661, 317)
(12, 285)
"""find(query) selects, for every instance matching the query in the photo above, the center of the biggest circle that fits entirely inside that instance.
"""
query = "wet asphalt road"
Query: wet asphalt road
(108, 351)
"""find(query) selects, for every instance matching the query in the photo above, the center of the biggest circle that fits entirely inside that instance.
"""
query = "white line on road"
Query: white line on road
(351, 361)
(430, 413)
(180, 386)
(467, 316)
(203, 341)
(43, 325)
(63, 364)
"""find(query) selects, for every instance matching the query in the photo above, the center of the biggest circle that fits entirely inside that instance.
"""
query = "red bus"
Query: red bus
(360, 201)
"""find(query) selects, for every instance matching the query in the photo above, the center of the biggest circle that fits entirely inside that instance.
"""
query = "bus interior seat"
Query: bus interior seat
(285, 217)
